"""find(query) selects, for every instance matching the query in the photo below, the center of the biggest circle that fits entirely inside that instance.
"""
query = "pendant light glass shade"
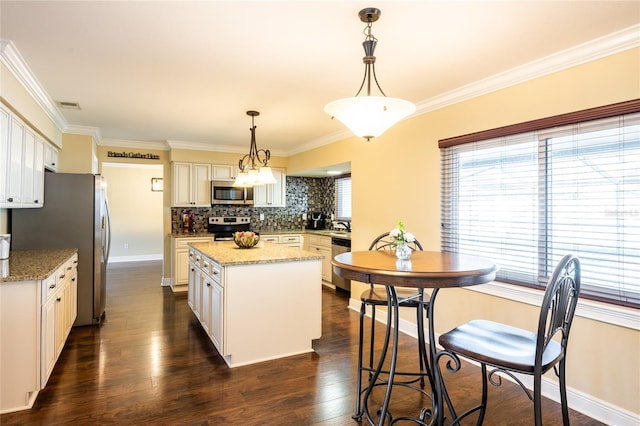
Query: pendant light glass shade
(369, 116)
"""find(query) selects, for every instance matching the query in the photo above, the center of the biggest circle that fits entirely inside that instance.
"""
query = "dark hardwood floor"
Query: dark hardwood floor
(151, 363)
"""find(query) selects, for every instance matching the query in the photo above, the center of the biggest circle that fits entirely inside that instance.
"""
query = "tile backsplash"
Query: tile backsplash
(304, 195)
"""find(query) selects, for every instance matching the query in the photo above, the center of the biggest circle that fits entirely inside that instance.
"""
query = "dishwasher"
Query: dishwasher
(340, 245)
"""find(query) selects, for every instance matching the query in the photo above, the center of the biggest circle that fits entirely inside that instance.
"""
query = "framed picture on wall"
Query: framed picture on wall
(156, 184)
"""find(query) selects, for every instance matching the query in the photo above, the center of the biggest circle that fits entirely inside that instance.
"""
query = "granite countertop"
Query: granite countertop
(227, 253)
(29, 265)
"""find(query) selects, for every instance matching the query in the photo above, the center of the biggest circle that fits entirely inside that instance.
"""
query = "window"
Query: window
(343, 198)
(525, 199)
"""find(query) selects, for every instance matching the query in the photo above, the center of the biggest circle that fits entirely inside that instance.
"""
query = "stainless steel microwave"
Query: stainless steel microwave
(223, 192)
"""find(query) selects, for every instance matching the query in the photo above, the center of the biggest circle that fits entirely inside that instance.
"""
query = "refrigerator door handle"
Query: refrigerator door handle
(106, 225)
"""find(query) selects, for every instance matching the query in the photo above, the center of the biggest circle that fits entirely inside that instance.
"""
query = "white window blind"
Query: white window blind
(527, 199)
(343, 198)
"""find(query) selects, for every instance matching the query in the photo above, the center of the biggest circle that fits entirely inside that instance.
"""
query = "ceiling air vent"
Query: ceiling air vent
(68, 105)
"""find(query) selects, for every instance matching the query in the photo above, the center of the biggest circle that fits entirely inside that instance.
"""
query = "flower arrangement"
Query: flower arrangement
(400, 236)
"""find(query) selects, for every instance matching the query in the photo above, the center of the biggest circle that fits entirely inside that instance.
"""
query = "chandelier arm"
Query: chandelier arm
(364, 80)
(373, 66)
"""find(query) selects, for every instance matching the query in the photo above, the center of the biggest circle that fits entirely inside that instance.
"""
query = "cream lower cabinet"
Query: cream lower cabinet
(322, 245)
(35, 320)
(181, 255)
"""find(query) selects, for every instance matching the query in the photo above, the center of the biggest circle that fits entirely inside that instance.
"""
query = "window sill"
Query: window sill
(611, 314)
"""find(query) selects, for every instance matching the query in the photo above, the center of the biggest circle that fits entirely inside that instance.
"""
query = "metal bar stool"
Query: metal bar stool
(377, 296)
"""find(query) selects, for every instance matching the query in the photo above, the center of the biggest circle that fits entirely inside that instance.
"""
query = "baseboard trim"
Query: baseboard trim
(584, 403)
(120, 259)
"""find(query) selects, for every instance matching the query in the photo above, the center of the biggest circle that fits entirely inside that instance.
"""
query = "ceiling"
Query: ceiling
(187, 71)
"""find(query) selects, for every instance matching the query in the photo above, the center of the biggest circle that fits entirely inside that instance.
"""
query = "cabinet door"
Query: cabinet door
(38, 173)
(201, 184)
(205, 313)
(197, 292)
(181, 267)
(60, 318)
(224, 171)
(47, 340)
(51, 157)
(191, 289)
(5, 121)
(217, 317)
(28, 169)
(272, 195)
(326, 264)
(181, 185)
(14, 172)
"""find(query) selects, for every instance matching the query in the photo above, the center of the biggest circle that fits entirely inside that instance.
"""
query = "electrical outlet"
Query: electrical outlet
(304, 216)
(126, 245)
(261, 216)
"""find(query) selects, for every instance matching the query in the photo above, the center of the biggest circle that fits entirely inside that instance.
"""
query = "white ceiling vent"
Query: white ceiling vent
(68, 105)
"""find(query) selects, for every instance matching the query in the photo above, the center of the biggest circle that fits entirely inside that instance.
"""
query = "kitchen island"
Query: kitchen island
(256, 304)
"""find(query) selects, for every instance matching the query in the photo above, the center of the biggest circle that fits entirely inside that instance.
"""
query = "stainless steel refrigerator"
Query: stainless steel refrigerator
(75, 215)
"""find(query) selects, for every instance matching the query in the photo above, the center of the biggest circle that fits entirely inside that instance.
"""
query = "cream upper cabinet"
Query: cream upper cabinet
(224, 171)
(5, 121)
(50, 157)
(273, 195)
(21, 163)
(191, 184)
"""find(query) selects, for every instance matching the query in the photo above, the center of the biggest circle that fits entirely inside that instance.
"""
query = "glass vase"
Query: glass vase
(403, 252)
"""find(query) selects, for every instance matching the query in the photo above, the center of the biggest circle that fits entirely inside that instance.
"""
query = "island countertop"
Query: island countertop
(227, 253)
(26, 265)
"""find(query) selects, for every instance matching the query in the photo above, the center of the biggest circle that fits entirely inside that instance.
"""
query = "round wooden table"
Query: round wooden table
(425, 269)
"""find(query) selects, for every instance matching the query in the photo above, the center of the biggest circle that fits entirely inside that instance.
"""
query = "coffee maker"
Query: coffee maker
(316, 221)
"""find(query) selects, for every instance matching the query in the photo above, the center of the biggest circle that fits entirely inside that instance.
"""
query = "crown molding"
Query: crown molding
(94, 132)
(13, 60)
(608, 45)
(203, 146)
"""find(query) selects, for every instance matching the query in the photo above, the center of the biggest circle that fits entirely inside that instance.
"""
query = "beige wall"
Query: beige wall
(136, 211)
(77, 155)
(397, 176)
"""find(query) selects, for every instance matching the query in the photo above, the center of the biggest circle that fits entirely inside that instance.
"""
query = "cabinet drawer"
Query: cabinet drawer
(49, 286)
(270, 238)
(184, 242)
(288, 239)
(215, 271)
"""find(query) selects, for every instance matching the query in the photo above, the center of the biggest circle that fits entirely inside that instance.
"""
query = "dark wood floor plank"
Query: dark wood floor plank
(151, 363)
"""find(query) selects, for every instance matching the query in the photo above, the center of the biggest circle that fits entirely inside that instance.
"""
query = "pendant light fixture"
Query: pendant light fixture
(369, 116)
(254, 167)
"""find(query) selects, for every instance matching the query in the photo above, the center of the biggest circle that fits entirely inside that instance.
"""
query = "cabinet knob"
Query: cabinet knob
(36, 201)
(59, 299)
(208, 284)
(215, 272)
(52, 286)
(10, 199)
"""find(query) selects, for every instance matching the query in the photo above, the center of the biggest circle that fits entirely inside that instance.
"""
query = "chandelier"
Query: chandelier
(369, 116)
(254, 167)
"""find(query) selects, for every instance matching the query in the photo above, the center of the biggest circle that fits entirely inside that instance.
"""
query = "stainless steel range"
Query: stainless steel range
(223, 227)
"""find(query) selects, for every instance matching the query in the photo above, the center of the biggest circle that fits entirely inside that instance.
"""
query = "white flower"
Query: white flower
(408, 237)
(394, 233)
